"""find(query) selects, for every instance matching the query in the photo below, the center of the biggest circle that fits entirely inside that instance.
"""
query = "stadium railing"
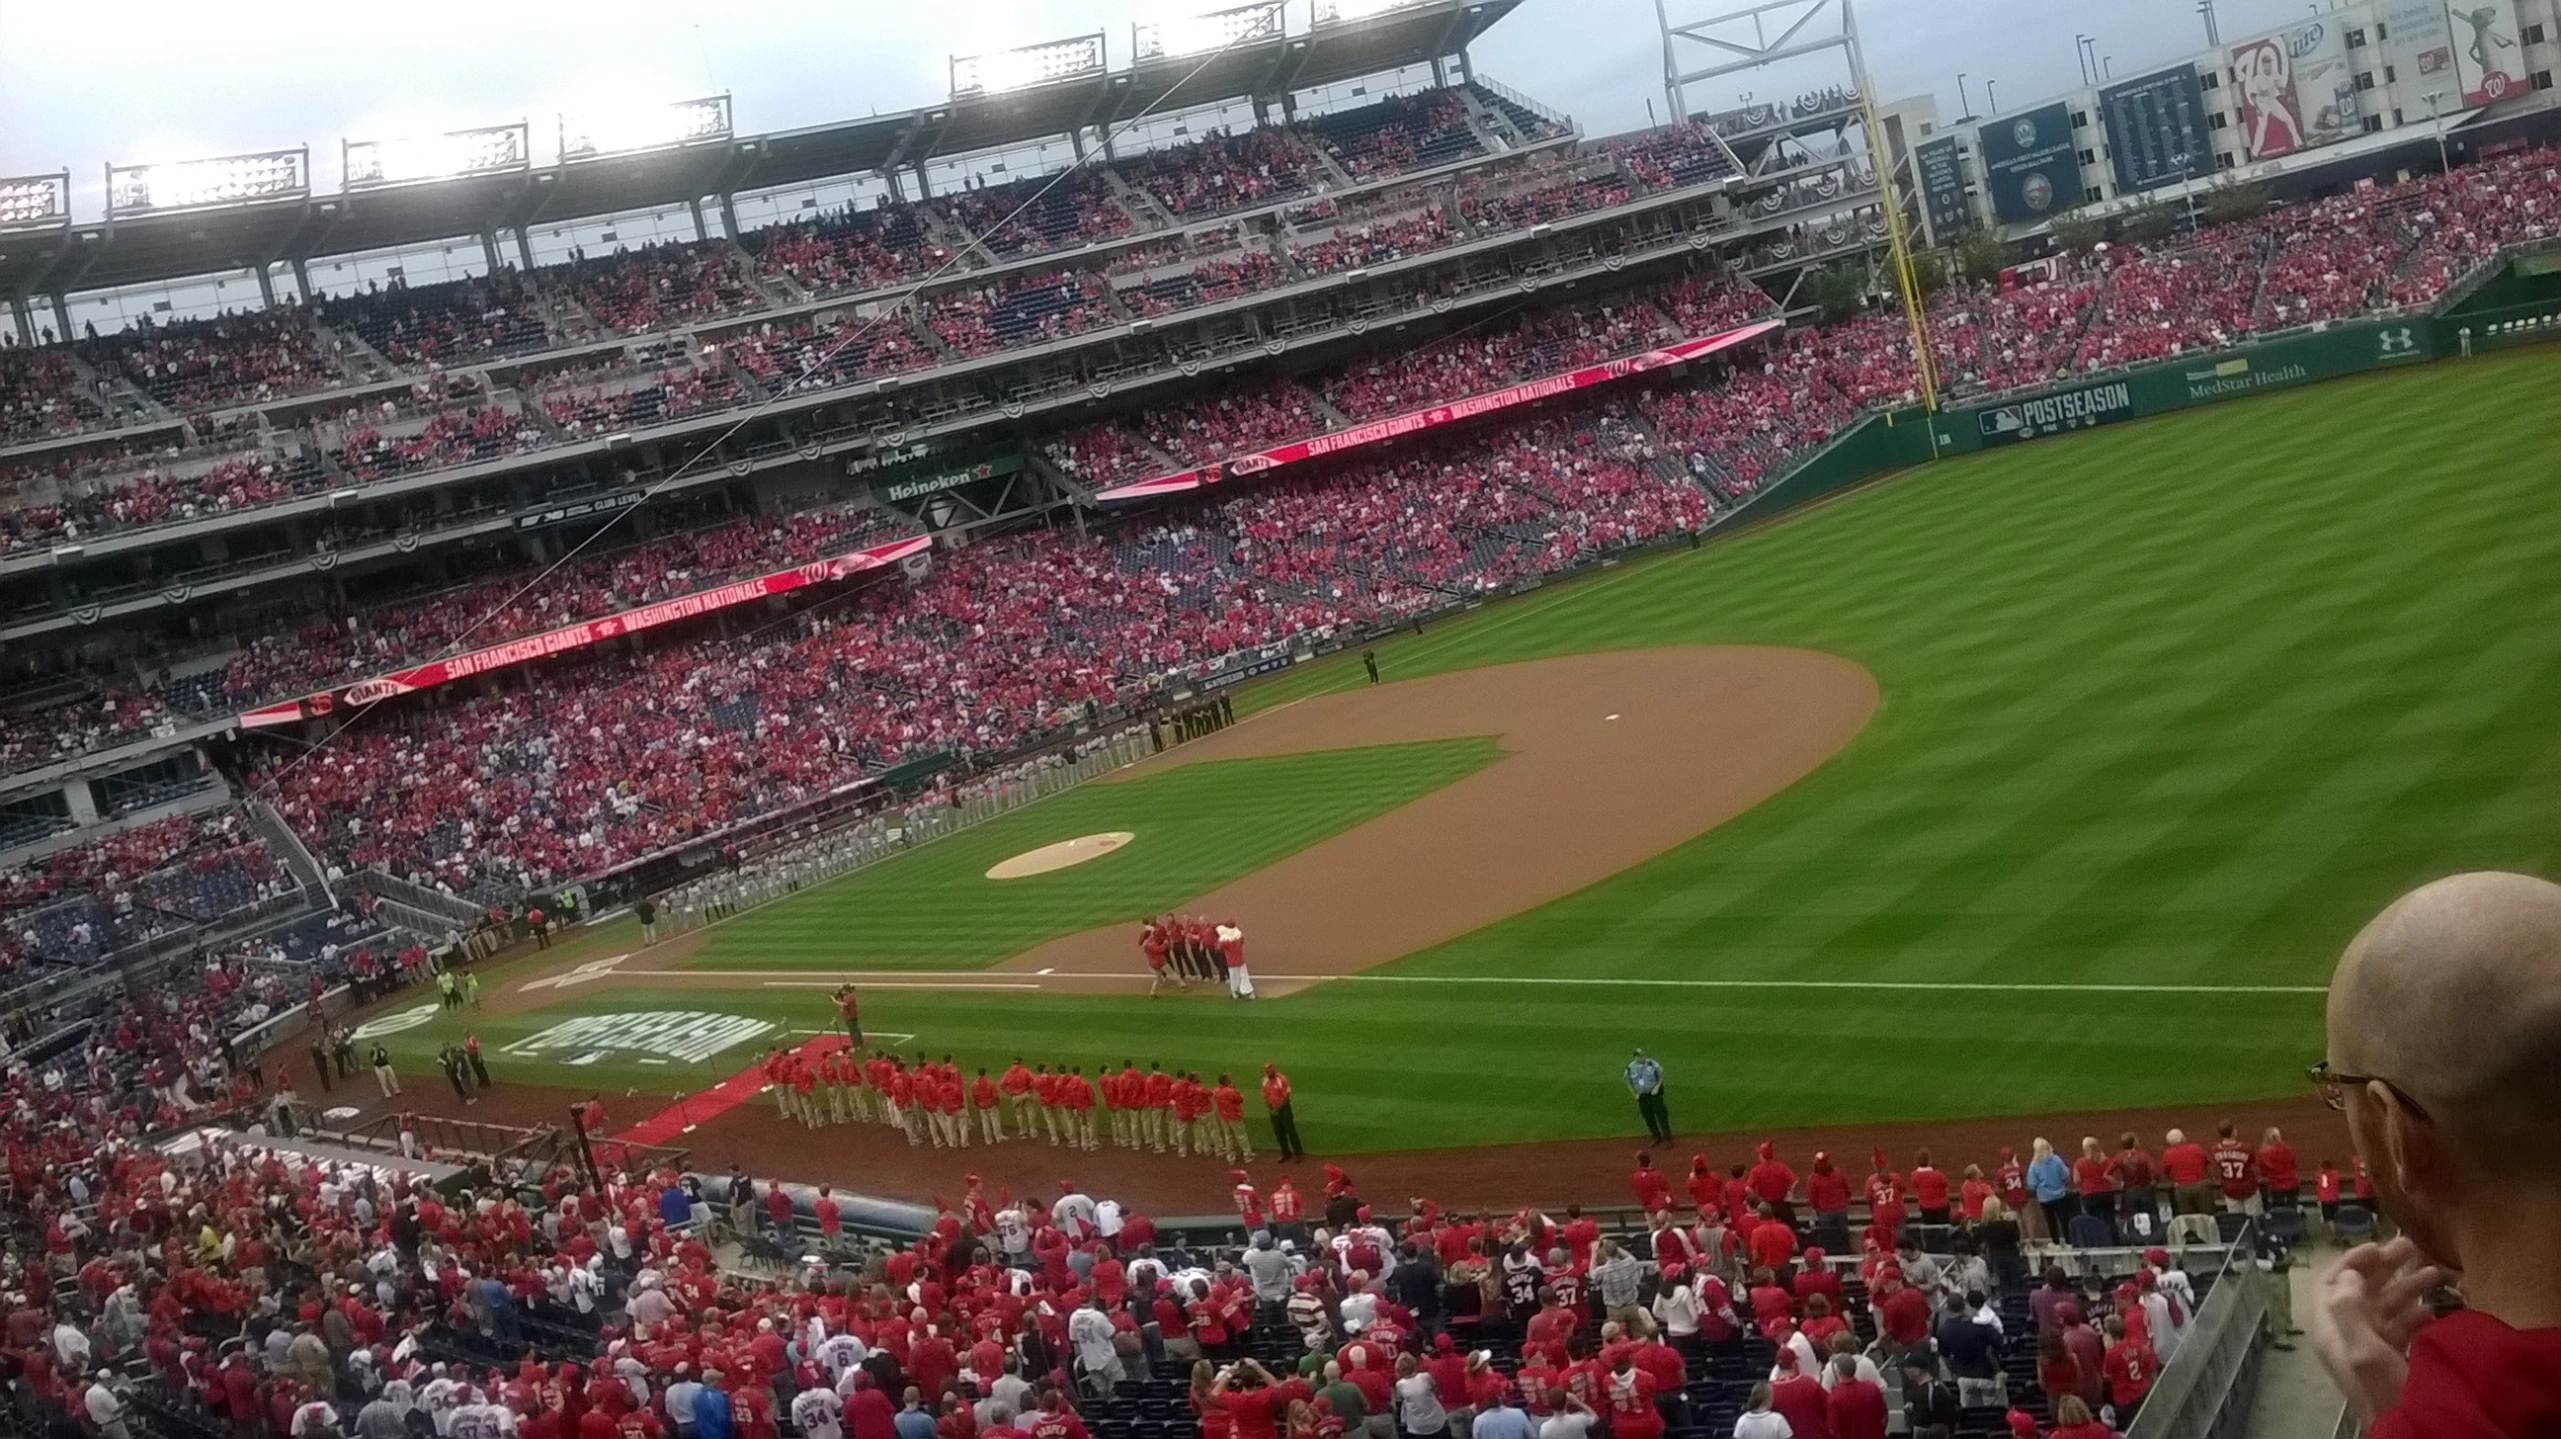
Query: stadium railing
(2205, 1391)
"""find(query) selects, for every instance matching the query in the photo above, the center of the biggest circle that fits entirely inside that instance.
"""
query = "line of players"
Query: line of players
(1186, 948)
(931, 1103)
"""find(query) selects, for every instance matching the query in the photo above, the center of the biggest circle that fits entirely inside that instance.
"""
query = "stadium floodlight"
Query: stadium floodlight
(1042, 64)
(35, 199)
(195, 184)
(1340, 12)
(490, 150)
(651, 127)
(1200, 34)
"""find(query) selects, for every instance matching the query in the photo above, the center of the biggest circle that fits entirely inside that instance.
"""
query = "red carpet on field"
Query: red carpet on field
(710, 1104)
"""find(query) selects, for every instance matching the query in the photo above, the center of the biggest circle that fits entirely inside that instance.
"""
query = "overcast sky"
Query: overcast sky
(156, 79)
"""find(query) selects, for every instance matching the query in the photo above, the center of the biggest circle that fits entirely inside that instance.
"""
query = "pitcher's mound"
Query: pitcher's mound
(1060, 855)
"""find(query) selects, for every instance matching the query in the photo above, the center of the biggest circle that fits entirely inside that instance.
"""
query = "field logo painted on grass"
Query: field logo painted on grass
(395, 1022)
(587, 973)
(687, 1035)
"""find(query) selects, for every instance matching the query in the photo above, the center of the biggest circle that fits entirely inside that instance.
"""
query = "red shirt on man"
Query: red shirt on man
(2236, 1169)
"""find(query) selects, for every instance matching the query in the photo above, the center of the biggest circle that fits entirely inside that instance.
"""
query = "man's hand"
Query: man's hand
(2370, 1307)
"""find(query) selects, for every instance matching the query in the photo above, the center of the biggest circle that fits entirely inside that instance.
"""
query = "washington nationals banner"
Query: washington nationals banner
(1398, 426)
(2296, 90)
(2487, 63)
(582, 634)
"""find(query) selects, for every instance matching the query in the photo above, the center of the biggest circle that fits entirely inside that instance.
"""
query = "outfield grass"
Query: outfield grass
(2180, 702)
(1196, 828)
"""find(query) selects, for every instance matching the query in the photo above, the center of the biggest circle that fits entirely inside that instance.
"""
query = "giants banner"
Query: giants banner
(582, 634)
(2295, 90)
(1398, 426)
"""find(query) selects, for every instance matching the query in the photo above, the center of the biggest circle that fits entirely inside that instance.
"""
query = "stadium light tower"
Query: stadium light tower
(1809, 49)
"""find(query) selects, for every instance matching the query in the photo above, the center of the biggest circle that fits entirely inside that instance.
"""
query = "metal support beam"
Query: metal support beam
(729, 213)
(489, 250)
(26, 324)
(524, 249)
(924, 182)
(702, 231)
(302, 278)
(61, 314)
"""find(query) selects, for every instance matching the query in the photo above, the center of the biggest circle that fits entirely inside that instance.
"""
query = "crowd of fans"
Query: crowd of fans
(158, 878)
(41, 394)
(456, 322)
(1349, 247)
(659, 286)
(1218, 173)
(242, 358)
(226, 1286)
(852, 249)
(1404, 132)
(1022, 309)
(155, 496)
(1041, 213)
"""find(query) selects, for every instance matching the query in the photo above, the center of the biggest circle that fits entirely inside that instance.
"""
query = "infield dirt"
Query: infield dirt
(1610, 759)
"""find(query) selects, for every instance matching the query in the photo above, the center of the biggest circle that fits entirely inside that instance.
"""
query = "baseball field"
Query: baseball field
(2045, 780)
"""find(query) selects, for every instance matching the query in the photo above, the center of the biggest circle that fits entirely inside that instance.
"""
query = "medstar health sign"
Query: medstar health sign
(648, 1036)
(2029, 166)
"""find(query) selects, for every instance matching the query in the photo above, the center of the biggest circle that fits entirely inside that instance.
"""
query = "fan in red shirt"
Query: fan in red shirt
(2443, 1022)
(2236, 1169)
(1653, 1191)
(1827, 1192)
(2184, 1164)
(2277, 1170)
(1929, 1189)
(1772, 1183)
(1706, 1191)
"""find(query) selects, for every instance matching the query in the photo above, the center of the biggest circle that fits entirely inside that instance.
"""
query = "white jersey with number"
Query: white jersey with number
(817, 1414)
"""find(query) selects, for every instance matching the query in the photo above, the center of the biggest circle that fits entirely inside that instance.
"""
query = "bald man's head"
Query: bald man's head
(2454, 995)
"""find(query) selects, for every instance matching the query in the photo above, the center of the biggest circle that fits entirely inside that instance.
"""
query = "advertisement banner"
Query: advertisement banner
(2487, 63)
(2418, 46)
(1398, 426)
(2157, 133)
(2029, 165)
(1940, 163)
(582, 634)
(2204, 379)
(2295, 90)
(919, 481)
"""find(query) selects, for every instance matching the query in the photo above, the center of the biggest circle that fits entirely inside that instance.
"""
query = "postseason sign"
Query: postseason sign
(2295, 90)
(1941, 166)
(2052, 414)
(2156, 129)
(2029, 165)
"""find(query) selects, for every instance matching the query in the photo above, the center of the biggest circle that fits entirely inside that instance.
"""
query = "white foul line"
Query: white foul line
(831, 984)
(1880, 985)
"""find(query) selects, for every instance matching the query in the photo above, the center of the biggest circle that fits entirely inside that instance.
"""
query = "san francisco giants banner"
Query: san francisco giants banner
(582, 634)
(1398, 426)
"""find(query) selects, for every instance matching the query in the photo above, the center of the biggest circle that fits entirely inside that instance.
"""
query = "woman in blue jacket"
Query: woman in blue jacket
(2049, 1179)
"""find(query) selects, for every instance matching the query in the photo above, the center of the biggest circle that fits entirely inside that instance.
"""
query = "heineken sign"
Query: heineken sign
(916, 484)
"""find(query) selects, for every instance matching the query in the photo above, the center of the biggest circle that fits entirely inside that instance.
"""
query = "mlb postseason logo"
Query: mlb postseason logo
(2046, 414)
(686, 1035)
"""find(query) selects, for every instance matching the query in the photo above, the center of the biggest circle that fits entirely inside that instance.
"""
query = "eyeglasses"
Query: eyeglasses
(2333, 1087)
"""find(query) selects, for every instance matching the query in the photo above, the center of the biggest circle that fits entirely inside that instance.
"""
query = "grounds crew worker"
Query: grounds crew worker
(1645, 1081)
